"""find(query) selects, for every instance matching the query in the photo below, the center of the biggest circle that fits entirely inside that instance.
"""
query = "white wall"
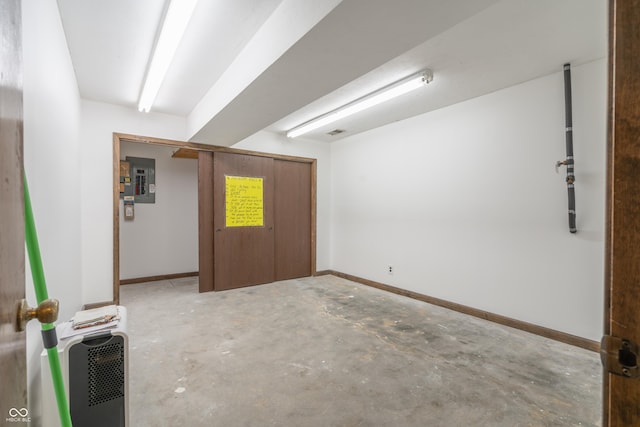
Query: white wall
(51, 126)
(99, 121)
(269, 142)
(465, 204)
(163, 236)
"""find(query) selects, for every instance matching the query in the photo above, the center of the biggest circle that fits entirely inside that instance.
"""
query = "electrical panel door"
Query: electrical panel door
(143, 180)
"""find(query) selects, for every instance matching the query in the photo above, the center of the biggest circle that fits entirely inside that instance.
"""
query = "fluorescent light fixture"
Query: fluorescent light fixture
(391, 91)
(175, 23)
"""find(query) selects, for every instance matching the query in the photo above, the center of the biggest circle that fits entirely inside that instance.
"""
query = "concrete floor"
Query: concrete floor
(328, 352)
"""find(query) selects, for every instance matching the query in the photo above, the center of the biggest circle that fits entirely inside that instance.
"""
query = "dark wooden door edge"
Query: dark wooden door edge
(492, 317)
(205, 221)
(621, 394)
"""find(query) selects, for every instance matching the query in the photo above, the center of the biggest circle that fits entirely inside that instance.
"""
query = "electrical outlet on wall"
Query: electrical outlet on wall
(390, 269)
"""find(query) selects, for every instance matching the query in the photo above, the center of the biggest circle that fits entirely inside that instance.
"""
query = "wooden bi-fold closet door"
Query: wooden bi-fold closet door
(254, 220)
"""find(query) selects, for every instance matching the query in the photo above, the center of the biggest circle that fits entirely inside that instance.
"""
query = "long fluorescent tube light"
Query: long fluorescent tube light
(175, 23)
(391, 91)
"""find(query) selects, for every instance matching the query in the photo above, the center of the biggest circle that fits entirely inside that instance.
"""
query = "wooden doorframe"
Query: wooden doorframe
(122, 137)
(621, 396)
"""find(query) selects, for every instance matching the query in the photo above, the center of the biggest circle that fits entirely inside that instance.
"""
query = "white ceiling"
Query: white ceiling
(248, 65)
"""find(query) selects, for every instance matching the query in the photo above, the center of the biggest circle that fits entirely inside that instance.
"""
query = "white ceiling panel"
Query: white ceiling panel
(473, 47)
(354, 38)
(509, 43)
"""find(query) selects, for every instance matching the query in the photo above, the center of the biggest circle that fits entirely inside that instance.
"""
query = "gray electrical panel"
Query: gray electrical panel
(142, 180)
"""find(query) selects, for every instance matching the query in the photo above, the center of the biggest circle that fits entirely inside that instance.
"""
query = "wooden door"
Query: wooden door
(292, 205)
(243, 243)
(205, 221)
(621, 395)
(13, 390)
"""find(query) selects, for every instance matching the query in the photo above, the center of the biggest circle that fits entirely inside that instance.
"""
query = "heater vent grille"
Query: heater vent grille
(335, 132)
(106, 373)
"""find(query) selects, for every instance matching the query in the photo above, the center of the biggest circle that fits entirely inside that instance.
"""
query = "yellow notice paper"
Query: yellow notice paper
(244, 201)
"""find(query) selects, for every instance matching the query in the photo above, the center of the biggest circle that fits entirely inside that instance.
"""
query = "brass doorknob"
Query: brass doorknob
(46, 312)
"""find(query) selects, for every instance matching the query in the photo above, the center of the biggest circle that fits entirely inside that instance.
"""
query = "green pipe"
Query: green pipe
(40, 285)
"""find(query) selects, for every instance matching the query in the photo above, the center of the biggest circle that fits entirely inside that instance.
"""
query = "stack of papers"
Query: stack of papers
(89, 321)
(95, 317)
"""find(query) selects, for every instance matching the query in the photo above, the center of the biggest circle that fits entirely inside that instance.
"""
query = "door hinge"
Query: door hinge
(619, 356)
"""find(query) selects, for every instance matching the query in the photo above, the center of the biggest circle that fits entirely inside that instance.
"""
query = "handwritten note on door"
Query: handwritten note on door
(244, 201)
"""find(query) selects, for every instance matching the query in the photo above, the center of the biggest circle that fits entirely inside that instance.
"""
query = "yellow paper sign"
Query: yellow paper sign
(244, 201)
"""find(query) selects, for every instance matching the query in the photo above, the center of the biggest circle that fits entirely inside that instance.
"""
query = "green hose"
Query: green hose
(40, 285)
